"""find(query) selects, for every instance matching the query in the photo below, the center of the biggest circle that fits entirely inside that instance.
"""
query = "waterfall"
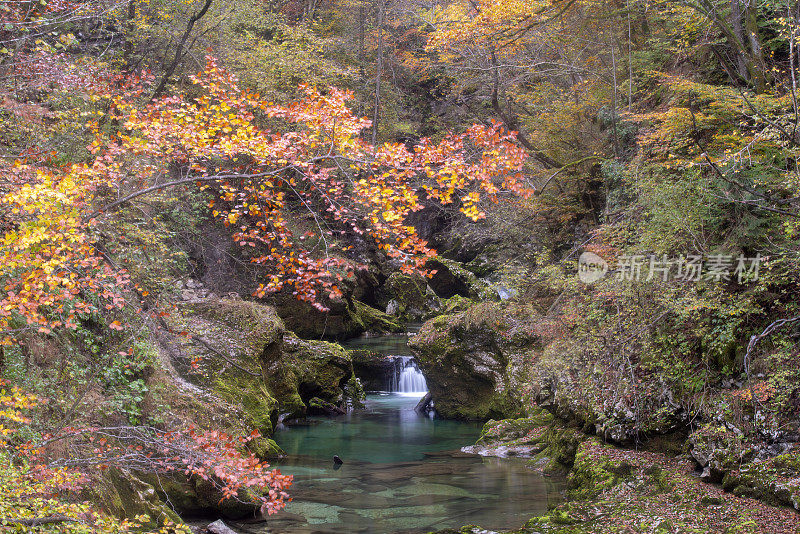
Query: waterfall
(410, 379)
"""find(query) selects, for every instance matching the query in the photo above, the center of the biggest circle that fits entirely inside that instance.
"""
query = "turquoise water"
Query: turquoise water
(389, 344)
(402, 473)
(388, 430)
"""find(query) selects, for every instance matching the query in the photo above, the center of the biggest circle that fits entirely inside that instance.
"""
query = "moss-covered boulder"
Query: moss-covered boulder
(595, 469)
(343, 319)
(304, 370)
(126, 495)
(249, 359)
(222, 346)
(370, 319)
(717, 450)
(474, 366)
(456, 304)
(453, 278)
(195, 497)
(745, 467)
(166, 497)
(409, 297)
(523, 437)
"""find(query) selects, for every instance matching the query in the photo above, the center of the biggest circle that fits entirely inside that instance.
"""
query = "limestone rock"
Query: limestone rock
(219, 527)
(125, 494)
(255, 364)
(472, 371)
(410, 297)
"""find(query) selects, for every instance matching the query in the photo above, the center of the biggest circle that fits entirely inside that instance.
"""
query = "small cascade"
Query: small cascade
(409, 379)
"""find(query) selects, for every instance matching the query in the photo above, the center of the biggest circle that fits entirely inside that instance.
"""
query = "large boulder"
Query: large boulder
(243, 353)
(342, 320)
(196, 497)
(125, 495)
(474, 369)
(452, 278)
(220, 347)
(409, 297)
(305, 370)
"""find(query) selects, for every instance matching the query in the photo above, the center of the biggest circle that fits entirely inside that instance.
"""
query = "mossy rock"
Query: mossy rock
(125, 495)
(412, 297)
(371, 319)
(562, 445)
(343, 319)
(592, 472)
(257, 365)
(453, 278)
(258, 405)
(308, 369)
(265, 448)
(259, 324)
(468, 529)
(515, 430)
(473, 370)
(408, 289)
(456, 304)
(193, 497)
(235, 341)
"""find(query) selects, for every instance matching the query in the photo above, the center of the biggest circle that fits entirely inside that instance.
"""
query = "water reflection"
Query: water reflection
(397, 476)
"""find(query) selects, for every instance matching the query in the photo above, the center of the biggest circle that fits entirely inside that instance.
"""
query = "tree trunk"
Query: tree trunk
(378, 74)
(179, 51)
(129, 25)
(738, 30)
(754, 63)
(361, 57)
(759, 71)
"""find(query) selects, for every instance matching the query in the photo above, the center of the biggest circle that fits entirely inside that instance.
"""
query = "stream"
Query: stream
(403, 472)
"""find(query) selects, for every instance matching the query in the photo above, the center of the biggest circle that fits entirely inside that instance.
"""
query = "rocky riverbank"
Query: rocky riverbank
(611, 489)
(638, 453)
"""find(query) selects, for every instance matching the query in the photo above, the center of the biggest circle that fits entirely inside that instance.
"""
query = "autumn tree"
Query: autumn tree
(320, 163)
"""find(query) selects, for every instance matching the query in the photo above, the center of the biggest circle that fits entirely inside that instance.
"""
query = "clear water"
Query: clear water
(390, 344)
(402, 474)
